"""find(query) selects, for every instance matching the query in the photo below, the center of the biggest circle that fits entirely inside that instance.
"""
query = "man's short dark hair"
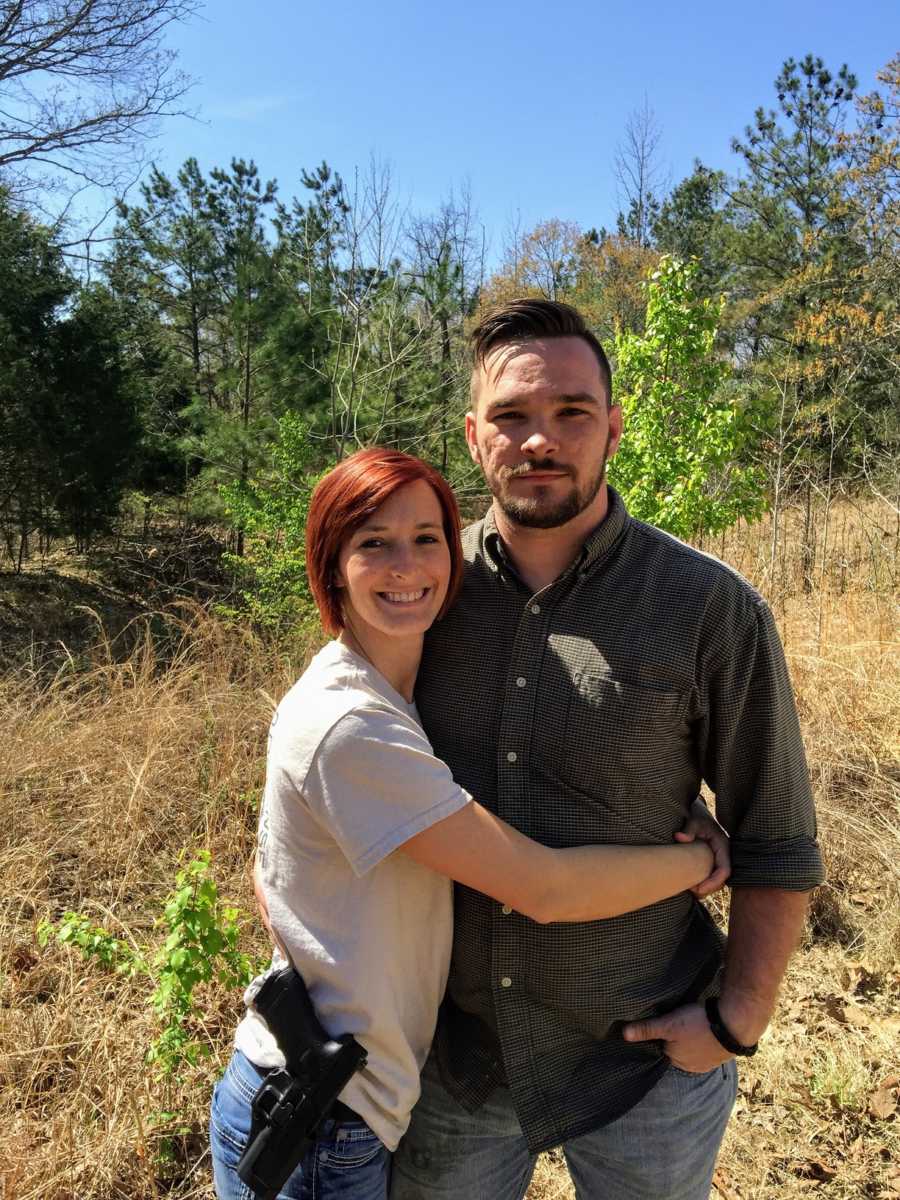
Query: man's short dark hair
(526, 320)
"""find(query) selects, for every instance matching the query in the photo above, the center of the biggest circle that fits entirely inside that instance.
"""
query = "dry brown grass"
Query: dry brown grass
(108, 773)
(105, 777)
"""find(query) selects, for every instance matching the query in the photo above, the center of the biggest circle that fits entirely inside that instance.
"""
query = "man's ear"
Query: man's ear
(470, 437)
(615, 429)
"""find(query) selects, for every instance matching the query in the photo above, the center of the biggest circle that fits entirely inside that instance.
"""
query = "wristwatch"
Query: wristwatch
(721, 1032)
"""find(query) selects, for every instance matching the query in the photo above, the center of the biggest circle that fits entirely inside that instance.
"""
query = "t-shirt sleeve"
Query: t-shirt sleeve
(375, 782)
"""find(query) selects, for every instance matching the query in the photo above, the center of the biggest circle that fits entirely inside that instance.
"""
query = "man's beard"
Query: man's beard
(536, 512)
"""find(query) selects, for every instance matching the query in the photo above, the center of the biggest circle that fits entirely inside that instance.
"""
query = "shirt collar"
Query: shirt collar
(596, 545)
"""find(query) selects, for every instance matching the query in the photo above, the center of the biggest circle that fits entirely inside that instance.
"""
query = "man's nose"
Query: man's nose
(540, 441)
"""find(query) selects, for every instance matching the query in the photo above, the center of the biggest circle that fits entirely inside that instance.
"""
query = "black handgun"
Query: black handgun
(291, 1102)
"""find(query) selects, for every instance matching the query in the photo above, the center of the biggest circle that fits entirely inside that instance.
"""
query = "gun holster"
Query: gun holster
(292, 1101)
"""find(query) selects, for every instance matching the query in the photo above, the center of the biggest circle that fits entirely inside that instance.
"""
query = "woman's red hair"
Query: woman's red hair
(345, 498)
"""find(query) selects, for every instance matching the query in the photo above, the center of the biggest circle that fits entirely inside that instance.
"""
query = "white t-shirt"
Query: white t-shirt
(350, 777)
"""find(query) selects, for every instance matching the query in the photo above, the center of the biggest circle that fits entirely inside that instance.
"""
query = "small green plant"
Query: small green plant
(169, 1129)
(840, 1077)
(75, 929)
(200, 946)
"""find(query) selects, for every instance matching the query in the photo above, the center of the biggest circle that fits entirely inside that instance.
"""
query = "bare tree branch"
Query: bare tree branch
(639, 173)
(81, 83)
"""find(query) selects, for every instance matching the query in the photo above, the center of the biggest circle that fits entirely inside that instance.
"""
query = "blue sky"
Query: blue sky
(526, 101)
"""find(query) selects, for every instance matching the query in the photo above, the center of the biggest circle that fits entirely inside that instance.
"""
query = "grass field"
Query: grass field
(111, 767)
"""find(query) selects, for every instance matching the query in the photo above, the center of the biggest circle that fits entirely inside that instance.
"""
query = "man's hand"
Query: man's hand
(702, 825)
(689, 1041)
(764, 927)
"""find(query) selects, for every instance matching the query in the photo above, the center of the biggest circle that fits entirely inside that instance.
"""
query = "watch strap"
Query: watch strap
(721, 1032)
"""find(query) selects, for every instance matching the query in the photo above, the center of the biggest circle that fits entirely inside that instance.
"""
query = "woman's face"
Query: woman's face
(395, 569)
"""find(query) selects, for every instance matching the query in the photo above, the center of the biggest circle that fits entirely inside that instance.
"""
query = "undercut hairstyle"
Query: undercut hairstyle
(345, 498)
(526, 320)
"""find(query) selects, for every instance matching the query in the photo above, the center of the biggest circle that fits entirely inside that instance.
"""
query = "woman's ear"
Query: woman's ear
(337, 579)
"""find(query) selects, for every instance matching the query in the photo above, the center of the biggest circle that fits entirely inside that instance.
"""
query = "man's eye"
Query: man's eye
(572, 412)
(509, 415)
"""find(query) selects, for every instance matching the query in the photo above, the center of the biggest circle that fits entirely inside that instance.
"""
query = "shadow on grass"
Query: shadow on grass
(74, 610)
(48, 618)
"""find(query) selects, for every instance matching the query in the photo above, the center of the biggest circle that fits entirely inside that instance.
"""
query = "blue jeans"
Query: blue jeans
(346, 1160)
(662, 1149)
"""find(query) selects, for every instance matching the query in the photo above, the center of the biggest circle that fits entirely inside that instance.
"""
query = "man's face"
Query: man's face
(541, 430)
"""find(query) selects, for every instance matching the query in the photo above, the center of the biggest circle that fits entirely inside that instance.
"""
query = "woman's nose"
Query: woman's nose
(401, 562)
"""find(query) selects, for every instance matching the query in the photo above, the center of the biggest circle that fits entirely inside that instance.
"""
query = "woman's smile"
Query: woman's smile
(405, 597)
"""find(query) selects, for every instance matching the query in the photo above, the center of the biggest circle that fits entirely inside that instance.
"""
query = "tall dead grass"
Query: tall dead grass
(108, 773)
(106, 776)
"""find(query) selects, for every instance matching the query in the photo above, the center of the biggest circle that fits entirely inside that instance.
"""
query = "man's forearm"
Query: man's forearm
(763, 931)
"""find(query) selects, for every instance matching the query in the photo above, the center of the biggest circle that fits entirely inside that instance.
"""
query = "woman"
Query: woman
(362, 830)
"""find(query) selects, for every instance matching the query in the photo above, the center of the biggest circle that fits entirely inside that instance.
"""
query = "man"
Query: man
(593, 672)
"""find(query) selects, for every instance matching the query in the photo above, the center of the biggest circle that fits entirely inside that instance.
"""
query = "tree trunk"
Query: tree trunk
(808, 550)
(245, 415)
(446, 390)
(776, 497)
(826, 523)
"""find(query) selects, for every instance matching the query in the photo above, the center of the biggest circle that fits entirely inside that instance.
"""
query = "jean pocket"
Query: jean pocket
(719, 1072)
(230, 1117)
(350, 1146)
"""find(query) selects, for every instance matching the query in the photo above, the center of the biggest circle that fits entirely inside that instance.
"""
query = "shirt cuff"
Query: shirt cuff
(794, 865)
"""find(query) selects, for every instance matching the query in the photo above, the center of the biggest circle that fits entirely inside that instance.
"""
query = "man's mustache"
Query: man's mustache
(526, 468)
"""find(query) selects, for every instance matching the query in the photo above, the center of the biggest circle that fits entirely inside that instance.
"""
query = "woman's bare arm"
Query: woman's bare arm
(581, 883)
(263, 905)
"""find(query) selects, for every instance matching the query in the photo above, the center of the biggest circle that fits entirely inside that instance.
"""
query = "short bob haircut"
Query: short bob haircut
(345, 498)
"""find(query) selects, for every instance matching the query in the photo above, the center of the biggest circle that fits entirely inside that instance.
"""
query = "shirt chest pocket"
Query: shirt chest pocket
(625, 740)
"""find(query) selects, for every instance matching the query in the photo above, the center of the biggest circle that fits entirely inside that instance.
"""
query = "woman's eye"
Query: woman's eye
(428, 539)
(371, 544)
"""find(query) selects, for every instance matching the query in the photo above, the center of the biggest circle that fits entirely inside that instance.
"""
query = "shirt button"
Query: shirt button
(506, 910)
(506, 981)
(521, 681)
(512, 756)
(535, 608)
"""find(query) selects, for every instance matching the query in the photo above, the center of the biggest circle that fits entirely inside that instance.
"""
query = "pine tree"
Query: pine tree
(68, 419)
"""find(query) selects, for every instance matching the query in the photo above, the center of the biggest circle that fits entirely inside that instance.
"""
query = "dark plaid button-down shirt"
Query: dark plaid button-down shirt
(590, 712)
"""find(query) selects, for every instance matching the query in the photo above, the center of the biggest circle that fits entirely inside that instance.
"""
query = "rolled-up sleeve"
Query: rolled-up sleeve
(754, 762)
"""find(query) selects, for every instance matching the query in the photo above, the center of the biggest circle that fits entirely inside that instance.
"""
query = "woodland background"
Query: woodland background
(171, 387)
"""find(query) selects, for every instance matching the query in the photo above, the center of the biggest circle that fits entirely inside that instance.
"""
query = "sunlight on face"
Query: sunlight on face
(395, 569)
(542, 431)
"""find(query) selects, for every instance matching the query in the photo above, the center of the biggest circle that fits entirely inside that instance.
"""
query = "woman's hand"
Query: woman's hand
(702, 826)
(263, 904)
